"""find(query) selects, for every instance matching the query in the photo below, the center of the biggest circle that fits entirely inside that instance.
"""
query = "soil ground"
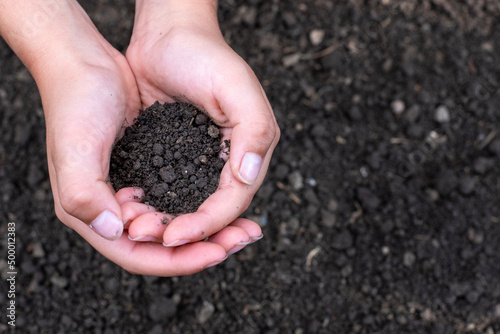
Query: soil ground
(381, 208)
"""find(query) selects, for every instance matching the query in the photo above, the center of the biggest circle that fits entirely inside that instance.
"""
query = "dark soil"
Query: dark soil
(172, 152)
(381, 209)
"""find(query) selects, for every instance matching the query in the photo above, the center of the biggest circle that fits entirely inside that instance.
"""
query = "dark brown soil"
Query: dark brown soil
(172, 152)
(380, 211)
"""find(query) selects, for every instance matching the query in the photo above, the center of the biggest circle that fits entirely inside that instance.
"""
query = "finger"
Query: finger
(132, 210)
(155, 259)
(218, 211)
(129, 194)
(149, 227)
(252, 228)
(254, 132)
(232, 238)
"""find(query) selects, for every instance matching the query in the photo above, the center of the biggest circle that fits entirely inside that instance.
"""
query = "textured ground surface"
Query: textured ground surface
(381, 209)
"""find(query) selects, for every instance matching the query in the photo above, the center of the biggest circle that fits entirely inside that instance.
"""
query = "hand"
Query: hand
(88, 93)
(177, 52)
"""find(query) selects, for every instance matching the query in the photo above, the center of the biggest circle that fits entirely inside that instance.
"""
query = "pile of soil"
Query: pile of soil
(172, 152)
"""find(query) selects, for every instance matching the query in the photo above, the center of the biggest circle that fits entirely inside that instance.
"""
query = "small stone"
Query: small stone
(427, 315)
(432, 194)
(497, 311)
(206, 311)
(157, 161)
(488, 46)
(442, 114)
(203, 159)
(296, 180)
(159, 190)
(157, 329)
(398, 107)
(346, 271)
(355, 114)
(201, 119)
(342, 240)
(316, 36)
(58, 281)
(162, 308)
(409, 259)
(467, 185)
(246, 14)
(333, 205)
(213, 131)
(385, 250)
(368, 199)
(158, 149)
(446, 182)
(281, 171)
(292, 59)
(167, 174)
(472, 296)
(38, 251)
(412, 114)
(482, 165)
(328, 219)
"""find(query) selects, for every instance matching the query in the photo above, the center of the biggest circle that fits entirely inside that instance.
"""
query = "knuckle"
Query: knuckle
(265, 130)
(73, 199)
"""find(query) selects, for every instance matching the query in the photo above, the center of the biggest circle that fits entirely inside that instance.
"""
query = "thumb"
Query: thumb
(255, 132)
(79, 169)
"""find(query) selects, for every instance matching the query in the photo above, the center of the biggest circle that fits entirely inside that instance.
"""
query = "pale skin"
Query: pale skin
(89, 91)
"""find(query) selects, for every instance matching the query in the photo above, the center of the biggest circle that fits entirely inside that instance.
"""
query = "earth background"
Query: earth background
(381, 208)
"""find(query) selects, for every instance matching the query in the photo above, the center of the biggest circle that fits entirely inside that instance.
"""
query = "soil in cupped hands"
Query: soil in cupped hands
(172, 151)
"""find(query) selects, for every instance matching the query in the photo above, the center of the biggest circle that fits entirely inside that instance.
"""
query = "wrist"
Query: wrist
(51, 35)
(158, 17)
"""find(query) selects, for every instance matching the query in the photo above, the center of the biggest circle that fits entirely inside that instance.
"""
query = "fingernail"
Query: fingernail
(216, 262)
(143, 238)
(107, 225)
(250, 167)
(176, 243)
(254, 239)
(239, 246)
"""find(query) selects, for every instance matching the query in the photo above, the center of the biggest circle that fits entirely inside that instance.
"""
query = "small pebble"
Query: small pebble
(409, 259)
(58, 281)
(398, 107)
(158, 149)
(467, 185)
(342, 240)
(482, 165)
(157, 161)
(412, 114)
(213, 131)
(203, 159)
(328, 219)
(162, 308)
(296, 180)
(442, 114)
(201, 119)
(205, 313)
(316, 36)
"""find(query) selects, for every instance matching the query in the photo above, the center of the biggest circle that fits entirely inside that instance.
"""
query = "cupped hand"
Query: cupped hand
(89, 94)
(190, 61)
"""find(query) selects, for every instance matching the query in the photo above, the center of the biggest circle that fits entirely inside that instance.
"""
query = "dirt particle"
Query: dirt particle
(213, 131)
